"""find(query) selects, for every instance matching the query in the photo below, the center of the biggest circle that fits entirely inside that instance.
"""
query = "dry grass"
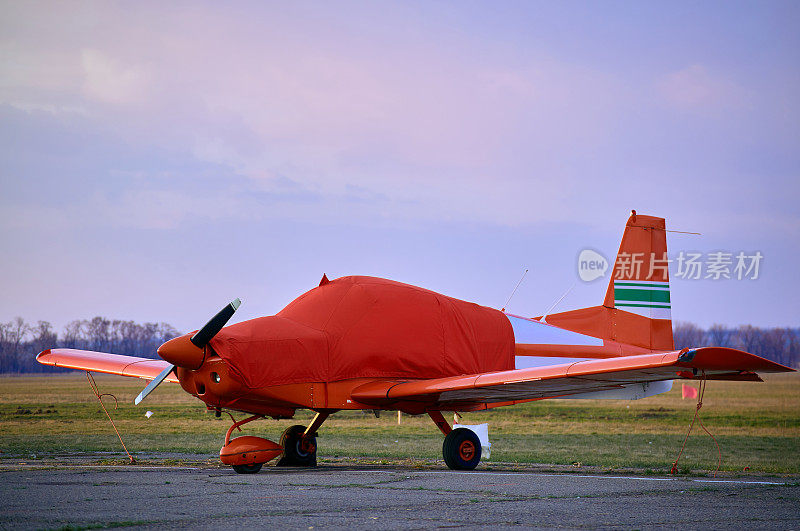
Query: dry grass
(757, 425)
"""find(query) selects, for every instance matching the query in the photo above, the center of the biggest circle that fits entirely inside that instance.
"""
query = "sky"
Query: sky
(160, 159)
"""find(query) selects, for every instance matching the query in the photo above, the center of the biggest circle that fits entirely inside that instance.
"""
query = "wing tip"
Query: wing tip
(716, 358)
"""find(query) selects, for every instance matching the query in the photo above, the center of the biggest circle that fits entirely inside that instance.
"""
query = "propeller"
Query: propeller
(152, 385)
(215, 324)
(179, 352)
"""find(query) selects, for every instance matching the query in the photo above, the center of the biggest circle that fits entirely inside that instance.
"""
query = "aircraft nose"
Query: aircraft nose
(182, 352)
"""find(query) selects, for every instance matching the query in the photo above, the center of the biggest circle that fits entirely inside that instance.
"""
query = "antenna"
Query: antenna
(515, 290)
(683, 232)
(544, 317)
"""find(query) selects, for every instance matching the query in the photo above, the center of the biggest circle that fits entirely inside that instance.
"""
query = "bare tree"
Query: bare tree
(687, 335)
(773, 343)
(99, 330)
(793, 348)
(747, 338)
(13, 337)
(21, 342)
(43, 336)
(167, 331)
(5, 350)
(719, 335)
(74, 334)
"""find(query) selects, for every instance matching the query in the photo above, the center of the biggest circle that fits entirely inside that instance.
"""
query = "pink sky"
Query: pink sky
(160, 160)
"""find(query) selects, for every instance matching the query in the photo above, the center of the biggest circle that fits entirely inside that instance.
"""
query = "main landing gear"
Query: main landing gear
(298, 450)
(461, 448)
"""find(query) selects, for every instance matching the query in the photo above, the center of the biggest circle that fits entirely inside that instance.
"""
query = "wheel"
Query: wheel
(247, 469)
(461, 449)
(296, 450)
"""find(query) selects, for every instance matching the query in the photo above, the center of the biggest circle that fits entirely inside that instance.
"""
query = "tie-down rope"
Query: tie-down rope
(100, 396)
(700, 394)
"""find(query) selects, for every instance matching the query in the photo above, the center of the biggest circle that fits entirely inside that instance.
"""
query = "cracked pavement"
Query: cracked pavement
(384, 498)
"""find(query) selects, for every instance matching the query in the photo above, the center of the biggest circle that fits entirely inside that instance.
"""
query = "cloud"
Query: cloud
(696, 87)
(428, 126)
(40, 80)
(108, 80)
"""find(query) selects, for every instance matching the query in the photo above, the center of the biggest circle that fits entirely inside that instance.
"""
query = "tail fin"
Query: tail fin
(636, 309)
(639, 281)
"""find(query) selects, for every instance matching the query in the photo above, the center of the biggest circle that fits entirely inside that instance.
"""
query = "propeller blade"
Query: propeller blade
(199, 340)
(152, 385)
(212, 327)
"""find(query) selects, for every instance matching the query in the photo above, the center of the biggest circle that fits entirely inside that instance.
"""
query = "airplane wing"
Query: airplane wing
(562, 381)
(87, 360)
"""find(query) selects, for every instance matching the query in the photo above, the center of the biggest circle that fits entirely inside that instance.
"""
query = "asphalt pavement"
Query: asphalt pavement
(36, 496)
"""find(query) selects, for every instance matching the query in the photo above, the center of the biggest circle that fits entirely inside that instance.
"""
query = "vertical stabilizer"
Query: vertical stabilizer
(639, 280)
(637, 308)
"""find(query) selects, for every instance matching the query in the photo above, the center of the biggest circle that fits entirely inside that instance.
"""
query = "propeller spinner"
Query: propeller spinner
(189, 351)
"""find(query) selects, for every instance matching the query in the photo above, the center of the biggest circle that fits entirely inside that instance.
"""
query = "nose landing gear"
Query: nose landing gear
(247, 454)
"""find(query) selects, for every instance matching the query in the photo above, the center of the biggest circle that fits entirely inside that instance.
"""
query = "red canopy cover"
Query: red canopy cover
(355, 327)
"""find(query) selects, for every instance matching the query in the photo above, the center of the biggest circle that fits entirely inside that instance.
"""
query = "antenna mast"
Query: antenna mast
(544, 317)
(515, 290)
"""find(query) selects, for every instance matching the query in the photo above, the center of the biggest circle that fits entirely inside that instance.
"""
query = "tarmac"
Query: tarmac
(58, 493)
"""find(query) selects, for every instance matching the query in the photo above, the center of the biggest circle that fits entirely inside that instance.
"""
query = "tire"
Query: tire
(247, 469)
(297, 452)
(461, 449)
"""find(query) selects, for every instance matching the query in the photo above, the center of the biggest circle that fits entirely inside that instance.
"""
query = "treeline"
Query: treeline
(777, 344)
(20, 341)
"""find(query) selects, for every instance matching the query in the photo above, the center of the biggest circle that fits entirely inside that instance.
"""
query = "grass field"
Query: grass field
(756, 424)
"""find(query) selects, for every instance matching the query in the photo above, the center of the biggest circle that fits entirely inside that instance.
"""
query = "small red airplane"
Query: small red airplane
(366, 343)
